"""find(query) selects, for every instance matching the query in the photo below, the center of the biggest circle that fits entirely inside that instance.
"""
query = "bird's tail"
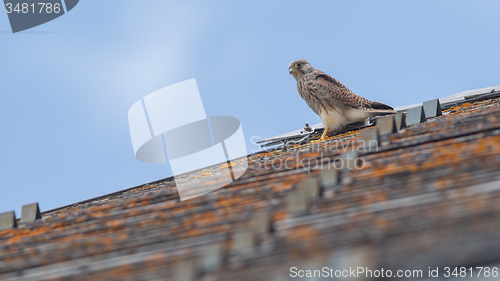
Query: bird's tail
(380, 112)
(379, 105)
(379, 109)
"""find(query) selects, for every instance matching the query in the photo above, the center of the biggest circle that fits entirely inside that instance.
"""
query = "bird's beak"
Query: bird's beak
(290, 70)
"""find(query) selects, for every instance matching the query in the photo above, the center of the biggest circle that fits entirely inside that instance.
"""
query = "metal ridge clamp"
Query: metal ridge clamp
(386, 125)
(8, 220)
(415, 115)
(369, 139)
(432, 108)
(30, 212)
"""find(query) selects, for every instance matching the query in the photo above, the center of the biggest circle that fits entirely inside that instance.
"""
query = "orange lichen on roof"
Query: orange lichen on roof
(381, 222)
(446, 153)
(302, 233)
(392, 168)
(25, 233)
(476, 205)
(350, 133)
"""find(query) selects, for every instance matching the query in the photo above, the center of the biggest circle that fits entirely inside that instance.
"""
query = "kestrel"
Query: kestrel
(331, 100)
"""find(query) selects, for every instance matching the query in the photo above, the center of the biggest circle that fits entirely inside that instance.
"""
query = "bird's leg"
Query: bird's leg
(323, 137)
(325, 132)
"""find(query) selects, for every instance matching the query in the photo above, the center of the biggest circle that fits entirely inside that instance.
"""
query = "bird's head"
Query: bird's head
(300, 67)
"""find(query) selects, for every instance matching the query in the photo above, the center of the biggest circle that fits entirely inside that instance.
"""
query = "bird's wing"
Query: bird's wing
(329, 87)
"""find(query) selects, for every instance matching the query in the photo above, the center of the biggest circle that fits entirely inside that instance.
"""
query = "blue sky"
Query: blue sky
(66, 86)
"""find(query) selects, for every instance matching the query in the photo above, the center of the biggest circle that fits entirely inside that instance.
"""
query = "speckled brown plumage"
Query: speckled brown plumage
(332, 100)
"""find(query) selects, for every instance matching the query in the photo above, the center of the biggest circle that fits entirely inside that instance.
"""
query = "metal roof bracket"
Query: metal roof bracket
(369, 139)
(8, 220)
(30, 212)
(415, 115)
(432, 108)
(400, 121)
(386, 125)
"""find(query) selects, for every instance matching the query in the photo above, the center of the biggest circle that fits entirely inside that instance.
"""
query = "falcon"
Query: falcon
(331, 100)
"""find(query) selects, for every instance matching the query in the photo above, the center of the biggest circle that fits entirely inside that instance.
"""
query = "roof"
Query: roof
(427, 197)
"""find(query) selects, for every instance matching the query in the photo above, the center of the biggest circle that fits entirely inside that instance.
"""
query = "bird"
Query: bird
(331, 100)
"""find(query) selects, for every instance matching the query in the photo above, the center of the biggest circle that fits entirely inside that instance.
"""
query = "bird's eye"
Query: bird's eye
(299, 64)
